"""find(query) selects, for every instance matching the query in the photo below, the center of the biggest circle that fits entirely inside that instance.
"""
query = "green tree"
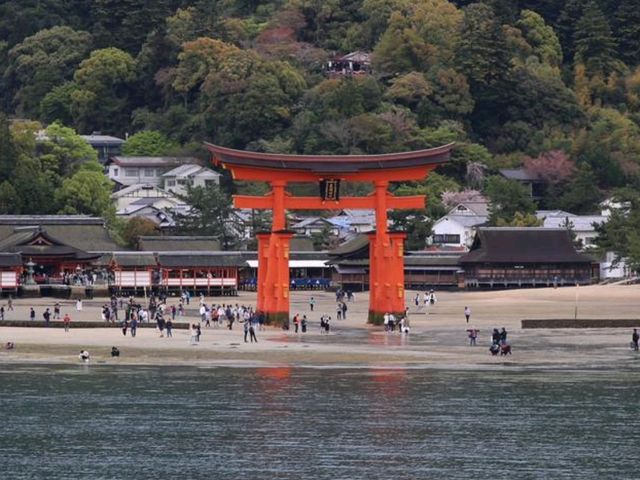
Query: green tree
(88, 191)
(433, 187)
(9, 199)
(63, 150)
(237, 96)
(581, 196)
(209, 215)
(541, 37)
(520, 220)
(56, 105)
(594, 42)
(125, 23)
(103, 100)
(619, 234)
(7, 149)
(484, 59)
(424, 35)
(627, 31)
(482, 54)
(148, 143)
(137, 227)
(416, 224)
(44, 61)
(324, 240)
(507, 198)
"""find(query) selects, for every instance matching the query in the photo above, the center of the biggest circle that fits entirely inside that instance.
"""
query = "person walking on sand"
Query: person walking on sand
(312, 302)
(32, 314)
(56, 311)
(634, 339)
(66, 320)
(10, 304)
(194, 334)
(169, 327)
(503, 336)
(252, 333)
(47, 316)
(134, 326)
(246, 330)
(125, 326)
(473, 336)
(467, 313)
(79, 305)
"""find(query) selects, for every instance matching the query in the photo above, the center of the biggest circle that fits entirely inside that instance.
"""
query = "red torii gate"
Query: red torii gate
(386, 269)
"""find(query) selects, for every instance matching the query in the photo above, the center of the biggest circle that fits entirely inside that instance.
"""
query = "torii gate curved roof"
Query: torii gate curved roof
(329, 164)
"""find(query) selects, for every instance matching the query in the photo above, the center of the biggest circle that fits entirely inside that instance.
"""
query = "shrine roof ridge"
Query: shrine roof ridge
(330, 163)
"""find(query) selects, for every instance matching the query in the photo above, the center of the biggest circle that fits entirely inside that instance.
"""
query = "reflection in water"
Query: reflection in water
(290, 423)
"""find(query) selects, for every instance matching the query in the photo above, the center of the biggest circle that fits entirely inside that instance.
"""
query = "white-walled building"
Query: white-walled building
(178, 179)
(458, 227)
(582, 225)
(150, 202)
(127, 171)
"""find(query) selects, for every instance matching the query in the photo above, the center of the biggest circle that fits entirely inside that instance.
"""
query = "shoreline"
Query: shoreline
(438, 337)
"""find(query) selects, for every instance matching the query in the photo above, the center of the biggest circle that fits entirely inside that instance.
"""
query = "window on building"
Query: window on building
(130, 172)
(210, 183)
(116, 172)
(171, 183)
(447, 238)
(149, 172)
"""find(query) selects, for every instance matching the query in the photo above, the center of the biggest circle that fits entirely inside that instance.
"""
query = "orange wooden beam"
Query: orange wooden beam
(388, 174)
(314, 203)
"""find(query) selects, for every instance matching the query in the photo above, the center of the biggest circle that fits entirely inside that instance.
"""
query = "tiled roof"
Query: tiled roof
(178, 243)
(523, 245)
(150, 161)
(80, 231)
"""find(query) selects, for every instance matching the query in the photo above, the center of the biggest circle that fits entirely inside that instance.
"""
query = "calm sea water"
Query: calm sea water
(101, 422)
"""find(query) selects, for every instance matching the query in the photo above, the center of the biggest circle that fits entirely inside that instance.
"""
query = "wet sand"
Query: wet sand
(438, 337)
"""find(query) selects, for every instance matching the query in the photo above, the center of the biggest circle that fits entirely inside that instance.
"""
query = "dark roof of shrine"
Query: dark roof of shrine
(330, 163)
(179, 243)
(39, 242)
(523, 245)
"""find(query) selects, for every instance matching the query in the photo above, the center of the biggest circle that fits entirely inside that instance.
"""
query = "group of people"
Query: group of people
(344, 295)
(391, 322)
(301, 324)
(428, 298)
(499, 343)
(219, 315)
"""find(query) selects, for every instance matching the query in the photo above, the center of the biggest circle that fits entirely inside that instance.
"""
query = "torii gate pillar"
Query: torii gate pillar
(273, 276)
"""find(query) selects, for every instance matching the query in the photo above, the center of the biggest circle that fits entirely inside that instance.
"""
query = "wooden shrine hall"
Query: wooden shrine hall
(328, 171)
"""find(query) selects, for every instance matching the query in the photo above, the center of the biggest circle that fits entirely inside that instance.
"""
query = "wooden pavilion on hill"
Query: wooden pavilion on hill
(519, 257)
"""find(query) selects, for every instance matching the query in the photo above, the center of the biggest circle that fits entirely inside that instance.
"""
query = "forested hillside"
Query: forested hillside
(551, 85)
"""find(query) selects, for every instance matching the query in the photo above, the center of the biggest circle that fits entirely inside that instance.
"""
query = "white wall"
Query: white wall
(448, 226)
